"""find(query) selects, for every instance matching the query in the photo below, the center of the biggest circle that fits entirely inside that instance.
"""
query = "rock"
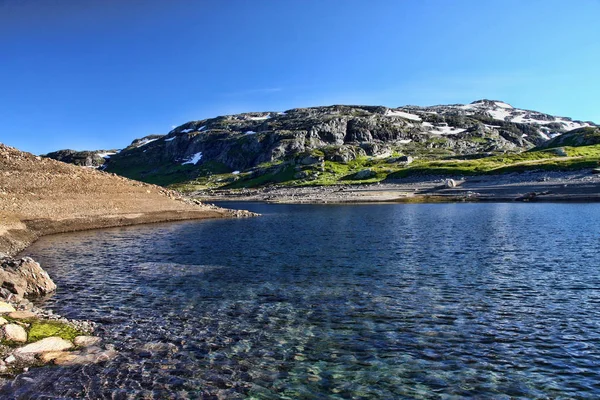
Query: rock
(450, 183)
(405, 159)
(22, 315)
(3, 321)
(51, 355)
(10, 359)
(77, 358)
(14, 333)
(560, 151)
(364, 174)
(25, 277)
(310, 160)
(53, 343)
(85, 341)
(6, 308)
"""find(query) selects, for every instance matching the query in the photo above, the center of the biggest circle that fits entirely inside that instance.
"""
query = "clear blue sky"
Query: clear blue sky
(96, 74)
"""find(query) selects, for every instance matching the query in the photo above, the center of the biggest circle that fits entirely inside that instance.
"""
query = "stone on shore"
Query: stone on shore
(22, 315)
(6, 308)
(14, 333)
(3, 321)
(24, 277)
(53, 343)
(450, 183)
(85, 341)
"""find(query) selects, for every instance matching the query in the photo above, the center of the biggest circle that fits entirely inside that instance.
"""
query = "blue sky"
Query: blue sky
(96, 74)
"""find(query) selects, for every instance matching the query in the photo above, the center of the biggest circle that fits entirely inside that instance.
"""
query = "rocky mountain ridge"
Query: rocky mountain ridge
(338, 133)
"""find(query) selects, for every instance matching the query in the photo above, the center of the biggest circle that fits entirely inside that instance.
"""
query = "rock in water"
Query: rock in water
(53, 343)
(25, 277)
(85, 341)
(14, 333)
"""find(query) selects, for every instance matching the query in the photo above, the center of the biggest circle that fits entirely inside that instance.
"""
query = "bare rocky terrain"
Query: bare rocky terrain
(40, 196)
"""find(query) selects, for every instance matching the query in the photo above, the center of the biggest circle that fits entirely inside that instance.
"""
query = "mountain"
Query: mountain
(250, 142)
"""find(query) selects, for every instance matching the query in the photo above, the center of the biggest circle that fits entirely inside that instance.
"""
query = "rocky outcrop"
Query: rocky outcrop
(81, 158)
(24, 277)
(341, 133)
(586, 136)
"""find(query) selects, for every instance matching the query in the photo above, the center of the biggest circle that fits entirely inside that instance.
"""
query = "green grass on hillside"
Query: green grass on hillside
(345, 173)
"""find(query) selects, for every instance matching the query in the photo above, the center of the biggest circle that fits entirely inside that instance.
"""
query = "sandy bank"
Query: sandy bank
(528, 186)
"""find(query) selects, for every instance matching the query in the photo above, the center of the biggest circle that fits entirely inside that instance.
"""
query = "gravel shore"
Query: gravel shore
(580, 185)
(39, 196)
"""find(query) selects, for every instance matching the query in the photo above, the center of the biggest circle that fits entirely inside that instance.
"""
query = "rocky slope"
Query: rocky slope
(587, 136)
(233, 143)
(42, 196)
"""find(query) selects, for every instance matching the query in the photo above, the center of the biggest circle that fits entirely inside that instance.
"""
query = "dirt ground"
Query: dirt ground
(40, 196)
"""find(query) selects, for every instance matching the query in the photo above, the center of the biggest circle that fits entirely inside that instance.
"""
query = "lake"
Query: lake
(428, 301)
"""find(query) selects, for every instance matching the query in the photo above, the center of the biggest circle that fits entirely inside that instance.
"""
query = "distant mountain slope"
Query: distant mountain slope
(337, 133)
(578, 137)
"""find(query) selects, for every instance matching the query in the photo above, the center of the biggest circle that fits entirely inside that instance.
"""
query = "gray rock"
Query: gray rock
(405, 159)
(25, 277)
(364, 174)
(450, 183)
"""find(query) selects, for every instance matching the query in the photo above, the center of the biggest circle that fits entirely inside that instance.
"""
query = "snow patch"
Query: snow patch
(187, 130)
(446, 130)
(105, 155)
(502, 105)
(170, 139)
(144, 142)
(235, 173)
(194, 159)
(499, 114)
(249, 133)
(427, 124)
(404, 141)
(401, 114)
(203, 127)
(260, 118)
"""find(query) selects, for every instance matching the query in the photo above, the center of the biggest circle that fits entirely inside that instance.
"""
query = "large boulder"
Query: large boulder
(24, 277)
(52, 343)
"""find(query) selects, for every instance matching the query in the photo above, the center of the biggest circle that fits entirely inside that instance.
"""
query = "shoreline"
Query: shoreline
(27, 230)
(535, 186)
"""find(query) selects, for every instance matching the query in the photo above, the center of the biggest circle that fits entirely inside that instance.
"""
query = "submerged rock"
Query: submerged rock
(85, 341)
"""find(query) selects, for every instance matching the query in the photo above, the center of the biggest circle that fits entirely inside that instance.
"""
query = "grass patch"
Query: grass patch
(41, 329)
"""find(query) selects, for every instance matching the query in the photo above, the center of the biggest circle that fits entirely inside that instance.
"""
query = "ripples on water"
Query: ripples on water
(424, 301)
